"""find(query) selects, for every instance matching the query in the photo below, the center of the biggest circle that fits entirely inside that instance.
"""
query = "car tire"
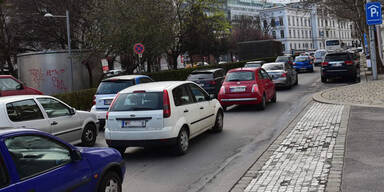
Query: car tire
(274, 98)
(121, 150)
(297, 80)
(110, 182)
(182, 142)
(225, 108)
(219, 123)
(323, 79)
(263, 103)
(89, 135)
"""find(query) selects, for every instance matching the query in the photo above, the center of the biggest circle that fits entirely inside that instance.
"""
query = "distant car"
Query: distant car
(210, 79)
(303, 63)
(107, 90)
(319, 56)
(253, 64)
(12, 86)
(285, 59)
(247, 86)
(31, 160)
(202, 64)
(50, 115)
(341, 64)
(161, 113)
(222, 62)
(113, 72)
(282, 74)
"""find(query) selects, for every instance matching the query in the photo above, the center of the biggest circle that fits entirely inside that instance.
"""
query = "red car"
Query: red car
(11, 86)
(245, 86)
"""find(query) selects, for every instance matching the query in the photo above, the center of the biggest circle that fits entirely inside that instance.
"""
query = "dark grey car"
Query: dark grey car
(282, 74)
(209, 79)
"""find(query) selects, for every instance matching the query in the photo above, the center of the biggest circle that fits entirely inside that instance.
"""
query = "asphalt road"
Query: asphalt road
(216, 161)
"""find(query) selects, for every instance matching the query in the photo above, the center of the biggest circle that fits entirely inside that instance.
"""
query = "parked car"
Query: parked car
(319, 56)
(32, 160)
(107, 90)
(285, 59)
(200, 63)
(209, 79)
(245, 86)
(253, 64)
(12, 86)
(341, 64)
(303, 63)
(161, 113)
(113, 72)
(282, 74)
(50, 115)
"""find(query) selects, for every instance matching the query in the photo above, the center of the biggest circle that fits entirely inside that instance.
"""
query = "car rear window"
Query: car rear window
(240, 76)
(252, 65)
(273, 66)
(113, 87)
(138, 102)
(282, 59)
(336, 57)
(200, 75)
(7, 84)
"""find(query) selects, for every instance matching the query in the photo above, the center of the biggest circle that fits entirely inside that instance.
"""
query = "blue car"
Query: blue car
(36, 161)
(303, 63)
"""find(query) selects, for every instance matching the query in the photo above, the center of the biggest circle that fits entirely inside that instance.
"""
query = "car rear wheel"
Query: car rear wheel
(111, 182)
(323, 79)
(89, 135)
(274, 98)
(219, 123)
(182, 142)
(297, 80)
(263, 103)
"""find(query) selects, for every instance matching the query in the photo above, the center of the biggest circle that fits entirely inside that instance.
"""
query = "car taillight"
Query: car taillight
(284, 74)
(255, 88)
(294, 63)
(348, 62)
(110, 106)
(324, 64)
(94, 100)
(166, 105)
(212, 82)
(106, 116)
(222, 90)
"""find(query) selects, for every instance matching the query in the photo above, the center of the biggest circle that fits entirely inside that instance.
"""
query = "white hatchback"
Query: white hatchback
(50, 115)
(169, 113)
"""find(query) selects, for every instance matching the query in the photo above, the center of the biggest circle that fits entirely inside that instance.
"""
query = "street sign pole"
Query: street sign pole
(374, 17)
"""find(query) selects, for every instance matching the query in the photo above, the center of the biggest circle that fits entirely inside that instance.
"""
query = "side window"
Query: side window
(53, 107)
(198, 94)
(33, 155)
(26, 110)
(181, 96)
(264, 74)
(145, 80)
(8, 84)
(4, 179)
(260, 76)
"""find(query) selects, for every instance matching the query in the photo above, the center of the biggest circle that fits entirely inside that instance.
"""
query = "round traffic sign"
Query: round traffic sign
(138, 48)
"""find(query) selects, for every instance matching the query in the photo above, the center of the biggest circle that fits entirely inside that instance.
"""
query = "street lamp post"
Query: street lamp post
(69, 41)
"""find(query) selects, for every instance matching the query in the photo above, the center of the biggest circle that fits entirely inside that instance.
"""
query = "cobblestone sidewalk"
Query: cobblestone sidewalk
(303, 160)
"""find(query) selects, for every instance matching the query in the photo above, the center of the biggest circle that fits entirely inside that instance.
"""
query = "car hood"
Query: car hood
(99, 157)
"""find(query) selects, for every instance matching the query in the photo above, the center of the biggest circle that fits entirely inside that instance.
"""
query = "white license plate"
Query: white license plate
(107, 101)
(237, 89)
(133, 123)
(337, 64)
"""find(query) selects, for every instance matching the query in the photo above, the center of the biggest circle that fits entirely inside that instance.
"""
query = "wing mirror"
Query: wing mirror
(75, 155)
(19, 87)
(72, 111)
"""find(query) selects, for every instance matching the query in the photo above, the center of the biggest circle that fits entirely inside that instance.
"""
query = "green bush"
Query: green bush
(80, 100)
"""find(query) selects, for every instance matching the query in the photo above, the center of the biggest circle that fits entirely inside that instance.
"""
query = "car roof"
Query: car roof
(155, 86)
(124, 77)
(254, 62)
(20, 97)
(282, 63)
(5, 76)
(244, 69)
(206, 70)
(10, 130)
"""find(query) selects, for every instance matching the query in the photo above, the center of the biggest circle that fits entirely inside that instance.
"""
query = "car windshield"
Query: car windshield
(301, 59)
(200, 75)
(252, 65)
(113, 87)
(282, 59)
(138, 102)
(240, 76)
(273, 66)
(332, 42)
(7, 84)
(336, 57)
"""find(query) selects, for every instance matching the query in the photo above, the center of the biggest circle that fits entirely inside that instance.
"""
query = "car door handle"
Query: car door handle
(54, 123)
(201, 107)
(186, 111)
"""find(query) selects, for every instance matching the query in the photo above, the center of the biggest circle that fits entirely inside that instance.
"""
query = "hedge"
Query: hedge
(82, 100)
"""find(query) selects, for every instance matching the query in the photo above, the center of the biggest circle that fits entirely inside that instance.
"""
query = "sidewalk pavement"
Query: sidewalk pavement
(335, 144)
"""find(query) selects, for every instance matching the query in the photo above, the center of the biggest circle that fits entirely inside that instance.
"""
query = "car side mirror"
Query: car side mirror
(19, 87)
(72, 111)
(75, 155)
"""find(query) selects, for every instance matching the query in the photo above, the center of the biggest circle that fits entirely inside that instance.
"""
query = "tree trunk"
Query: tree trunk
(379, 62)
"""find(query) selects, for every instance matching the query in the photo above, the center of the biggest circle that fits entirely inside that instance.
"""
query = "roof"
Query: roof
(154, 86)
(244, 69)
(207, 70)
(255, 62)
(125, 77)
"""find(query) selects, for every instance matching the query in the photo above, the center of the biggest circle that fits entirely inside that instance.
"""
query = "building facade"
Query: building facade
(237, 8)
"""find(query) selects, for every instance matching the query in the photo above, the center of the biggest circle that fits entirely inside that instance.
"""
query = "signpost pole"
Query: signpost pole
(373, 52)
(374, 17)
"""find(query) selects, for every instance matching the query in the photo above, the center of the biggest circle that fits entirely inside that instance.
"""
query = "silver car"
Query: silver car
(282, 74)
(50, 115)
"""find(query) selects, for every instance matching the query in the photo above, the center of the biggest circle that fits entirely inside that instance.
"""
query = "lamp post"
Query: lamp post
(69, 40)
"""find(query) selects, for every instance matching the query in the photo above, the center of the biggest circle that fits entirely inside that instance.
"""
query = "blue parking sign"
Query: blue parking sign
(373, 13)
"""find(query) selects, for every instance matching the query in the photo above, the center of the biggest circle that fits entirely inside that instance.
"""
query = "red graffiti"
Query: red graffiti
(56, 81)
(37, 76)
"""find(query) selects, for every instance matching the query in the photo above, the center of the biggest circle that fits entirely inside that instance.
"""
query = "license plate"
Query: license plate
(133, 123)
(337, 65)
(237, 89)
(107, 101)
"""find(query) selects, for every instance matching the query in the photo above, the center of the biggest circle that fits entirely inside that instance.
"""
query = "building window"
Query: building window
(289, 20)
(297, 21)
(290, 33)
(294, 34)
(282, 34)
(290, 46)
(273, 22)
(299, 45)
(301, 20)
(306, 34)
(265, 24)
(295, 46)
(310, 34)
(283, 46)
(274, 34)
(281, 22)
(326, 22)
(309, 22)
(327, 34)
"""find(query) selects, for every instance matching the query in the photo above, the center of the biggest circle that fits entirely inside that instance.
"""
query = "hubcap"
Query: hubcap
(112, 186)
(89, 135)
(184, 140)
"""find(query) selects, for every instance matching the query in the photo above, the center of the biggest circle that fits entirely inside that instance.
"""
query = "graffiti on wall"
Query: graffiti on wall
(37, 77)
(54, 78)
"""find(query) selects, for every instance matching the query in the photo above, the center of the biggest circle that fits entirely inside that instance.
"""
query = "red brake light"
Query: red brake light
(94, 100)
(222, 90)
(293, 63)
(348, 62)
(324, 64)
(166, 105)
(139, 91)
(284, 74)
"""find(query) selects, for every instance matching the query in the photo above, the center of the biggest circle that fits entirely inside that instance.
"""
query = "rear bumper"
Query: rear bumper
(141, 143)
(281, 82)
(338, 72)
(303, 67)
(249, 99)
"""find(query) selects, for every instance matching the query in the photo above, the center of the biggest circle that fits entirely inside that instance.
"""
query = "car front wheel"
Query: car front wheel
(89, 135)
(111, 182)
